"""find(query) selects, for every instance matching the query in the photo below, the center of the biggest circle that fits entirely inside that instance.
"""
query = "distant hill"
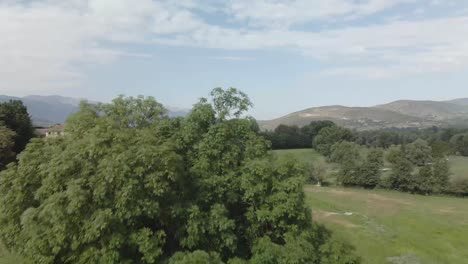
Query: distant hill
(49, 110)
(431, 110)
(400, 114)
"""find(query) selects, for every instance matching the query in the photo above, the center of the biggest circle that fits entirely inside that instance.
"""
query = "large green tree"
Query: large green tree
(401, 176)
(127, 184)
(14, 115)
(370, 171)
(329, 136)
(419, 152)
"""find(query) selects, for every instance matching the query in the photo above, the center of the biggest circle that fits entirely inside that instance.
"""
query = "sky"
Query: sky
(286, 55)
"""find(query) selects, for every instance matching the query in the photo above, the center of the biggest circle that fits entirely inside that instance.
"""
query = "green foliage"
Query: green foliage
(440, 149)
(7, 144)
(441, 171)
(230, 102)
(345, 151)
(313, 129)
(293, 137)
(126, 184)
(14, 115)
(419, 152)
(354, 170)
(459, 187)
(402, 168)
(287, 137)
(423, 181)
(329, 136)
(460, 143)
(370, 171)
(318, 173)
(196, 257)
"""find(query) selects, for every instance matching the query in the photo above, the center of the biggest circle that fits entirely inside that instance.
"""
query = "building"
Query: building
(53, 131)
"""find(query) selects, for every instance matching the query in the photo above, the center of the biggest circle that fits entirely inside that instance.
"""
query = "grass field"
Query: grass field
(393, 227)
(387, 226)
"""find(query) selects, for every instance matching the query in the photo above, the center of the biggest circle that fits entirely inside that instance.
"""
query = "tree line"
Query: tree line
(416, 167)
(128, 184)
(443, 141)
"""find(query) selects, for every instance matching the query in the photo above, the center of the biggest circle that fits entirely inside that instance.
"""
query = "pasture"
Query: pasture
(394, 227)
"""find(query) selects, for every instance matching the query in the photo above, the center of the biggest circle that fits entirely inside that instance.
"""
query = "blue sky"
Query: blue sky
(287, 55)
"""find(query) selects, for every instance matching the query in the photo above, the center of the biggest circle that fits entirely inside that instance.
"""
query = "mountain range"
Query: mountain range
(397, 114)
(46, 111)
(49, 110)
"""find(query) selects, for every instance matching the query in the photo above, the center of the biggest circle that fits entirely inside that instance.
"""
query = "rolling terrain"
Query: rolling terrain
(398, 114)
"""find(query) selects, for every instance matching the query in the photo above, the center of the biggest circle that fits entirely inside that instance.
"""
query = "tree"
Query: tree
(7, 144)
(440, 149)
(347, 155)
(441, 174)
(394, 153)
(318, 173)
(343, 151)
(288, 137)
(127, 184)
(419, 152)
(313, 128)
(423, 181)
(370, 170)
(14, 116)
(460, 144)
(402, 168)
(329, 136)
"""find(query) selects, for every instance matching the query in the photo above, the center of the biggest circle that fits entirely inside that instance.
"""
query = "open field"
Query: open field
(387, 225)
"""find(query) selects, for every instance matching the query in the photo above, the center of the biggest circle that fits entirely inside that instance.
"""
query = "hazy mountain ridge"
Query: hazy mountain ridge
(401, 114)
(49, 110)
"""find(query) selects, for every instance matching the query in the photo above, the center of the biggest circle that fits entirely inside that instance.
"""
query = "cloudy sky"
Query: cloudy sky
(287, 55)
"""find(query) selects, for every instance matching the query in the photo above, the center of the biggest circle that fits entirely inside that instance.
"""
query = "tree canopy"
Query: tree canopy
(127, 184)
(14, 115)
(329, 136)
(7, 144)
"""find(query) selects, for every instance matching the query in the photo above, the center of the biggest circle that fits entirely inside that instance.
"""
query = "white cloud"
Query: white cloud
(285, 13)
(43, 43)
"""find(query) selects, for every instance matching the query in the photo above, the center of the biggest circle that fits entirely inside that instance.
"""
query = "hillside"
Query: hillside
(49, 110)
(401, 114)
(431, 110)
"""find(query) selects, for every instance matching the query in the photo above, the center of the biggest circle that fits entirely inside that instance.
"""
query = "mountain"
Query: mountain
(49, 110)
(461, 101)
(432, 110)
(400, 114)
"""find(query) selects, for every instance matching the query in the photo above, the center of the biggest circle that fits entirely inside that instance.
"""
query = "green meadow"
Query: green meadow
(389, 226)
(394, 227)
